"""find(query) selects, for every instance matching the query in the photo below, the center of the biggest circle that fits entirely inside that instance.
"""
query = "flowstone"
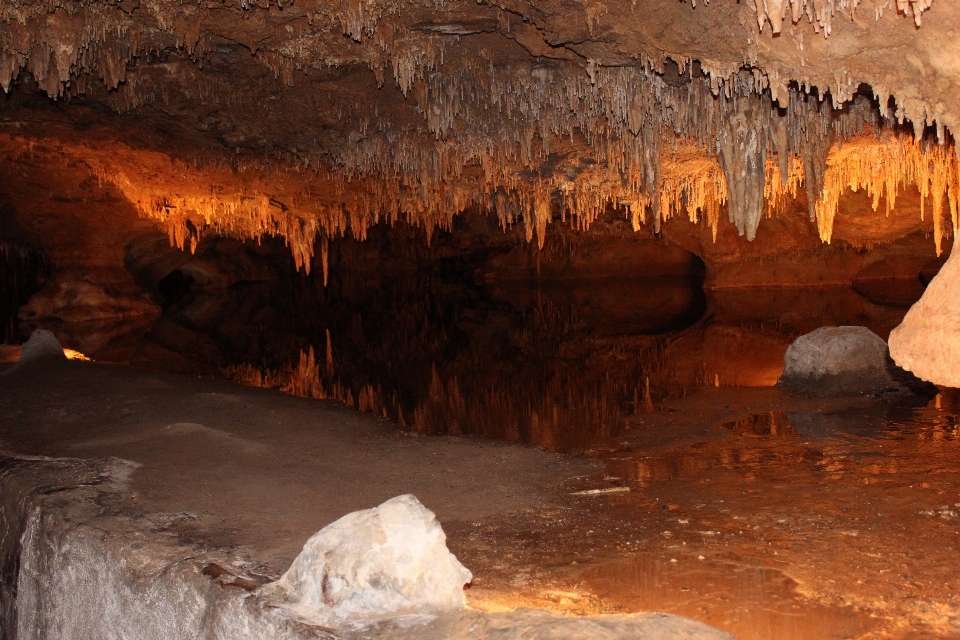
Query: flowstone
(369, 565)
(927, 342)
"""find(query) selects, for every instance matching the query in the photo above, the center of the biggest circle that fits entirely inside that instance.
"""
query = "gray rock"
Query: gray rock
(42, 344)
(838, 361)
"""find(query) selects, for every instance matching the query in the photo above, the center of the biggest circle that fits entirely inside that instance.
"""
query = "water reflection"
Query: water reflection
(793, 519)
(557, 365)
(796, 522)
(613, 306)
(772, 424)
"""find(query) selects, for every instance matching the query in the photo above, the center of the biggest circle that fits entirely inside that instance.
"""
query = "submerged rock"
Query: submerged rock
(836, 361)
(42, 344)
(374, 564)
(927, 342)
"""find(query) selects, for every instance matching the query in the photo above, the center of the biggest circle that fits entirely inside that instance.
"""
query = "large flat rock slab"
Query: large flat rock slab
(253, 470)
(161, 507)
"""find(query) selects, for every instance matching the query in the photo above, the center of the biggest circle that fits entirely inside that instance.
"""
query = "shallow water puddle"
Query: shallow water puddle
(789, 524)
(769, 516)
(748, 601)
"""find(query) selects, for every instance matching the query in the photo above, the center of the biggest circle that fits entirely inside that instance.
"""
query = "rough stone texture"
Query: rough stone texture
(94, 312)
(381, 111)
(42, 344)
(927, 342)
(387, 561)
(73, 568)
(840, 361)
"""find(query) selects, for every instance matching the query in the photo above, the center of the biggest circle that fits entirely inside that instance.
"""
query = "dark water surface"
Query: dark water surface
(720, 498)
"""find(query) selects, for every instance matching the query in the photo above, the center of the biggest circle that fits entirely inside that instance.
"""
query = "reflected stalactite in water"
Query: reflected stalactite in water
(550, 399)
(464, 337)
(463, 363)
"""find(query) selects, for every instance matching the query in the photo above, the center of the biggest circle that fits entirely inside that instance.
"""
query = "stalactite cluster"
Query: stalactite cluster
(821, 14)
(883, 168)
(531, 138)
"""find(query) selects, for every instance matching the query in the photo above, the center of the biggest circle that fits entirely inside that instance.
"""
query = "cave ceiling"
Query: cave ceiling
(313, 119)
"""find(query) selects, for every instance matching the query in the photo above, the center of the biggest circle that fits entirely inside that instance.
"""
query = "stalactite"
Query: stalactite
(325, 258)
(821, 14)
(883, 168)
(742, 150)
(522, 139)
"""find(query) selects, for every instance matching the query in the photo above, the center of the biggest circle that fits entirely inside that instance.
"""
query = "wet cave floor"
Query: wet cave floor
(586, 451)
(717, 496)
(761, 514)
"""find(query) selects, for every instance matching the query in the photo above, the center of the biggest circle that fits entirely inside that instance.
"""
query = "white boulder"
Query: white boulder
(41, 344)
(370, 565)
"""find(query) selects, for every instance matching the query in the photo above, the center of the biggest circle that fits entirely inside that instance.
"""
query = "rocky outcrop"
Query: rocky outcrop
(42, 344)
(368, 565)
(927, 342)
(89, 300)
(73, 568)
(834, 361)
(102, 313)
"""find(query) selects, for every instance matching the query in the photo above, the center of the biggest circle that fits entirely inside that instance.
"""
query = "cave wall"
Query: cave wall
(764, 143)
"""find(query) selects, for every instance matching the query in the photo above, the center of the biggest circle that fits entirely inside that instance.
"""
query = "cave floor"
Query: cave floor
(764, 515)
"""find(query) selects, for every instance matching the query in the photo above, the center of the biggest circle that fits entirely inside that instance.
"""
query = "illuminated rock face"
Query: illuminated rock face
(320, 119)
(99, 313)
(718, 127)
(927, 343)
(368, 565)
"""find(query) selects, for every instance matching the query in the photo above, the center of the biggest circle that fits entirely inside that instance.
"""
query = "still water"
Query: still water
(715, 496)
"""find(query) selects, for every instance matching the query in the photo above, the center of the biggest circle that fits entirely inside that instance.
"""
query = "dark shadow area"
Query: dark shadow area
(174, 287)
(24, 271)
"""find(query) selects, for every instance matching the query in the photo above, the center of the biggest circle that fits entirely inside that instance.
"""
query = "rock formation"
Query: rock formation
(42, 344)
(835, 361)
(927, 343)
(697, 123)
(313, 120)
(371, 565)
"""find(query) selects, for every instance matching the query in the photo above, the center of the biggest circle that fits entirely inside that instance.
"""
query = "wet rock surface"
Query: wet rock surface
(541, 625)
(231, 442)
(689, 514)
(90, 548)
(836, 361)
